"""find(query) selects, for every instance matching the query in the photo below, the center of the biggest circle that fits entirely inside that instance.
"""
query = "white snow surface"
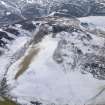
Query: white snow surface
(6, 58)
(95, 20)
(45, 80)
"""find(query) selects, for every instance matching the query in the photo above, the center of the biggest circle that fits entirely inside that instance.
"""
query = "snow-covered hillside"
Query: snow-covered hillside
(52, 52)
(61, 62)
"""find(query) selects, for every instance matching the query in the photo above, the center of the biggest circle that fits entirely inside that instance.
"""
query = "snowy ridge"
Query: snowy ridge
(13, 11)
